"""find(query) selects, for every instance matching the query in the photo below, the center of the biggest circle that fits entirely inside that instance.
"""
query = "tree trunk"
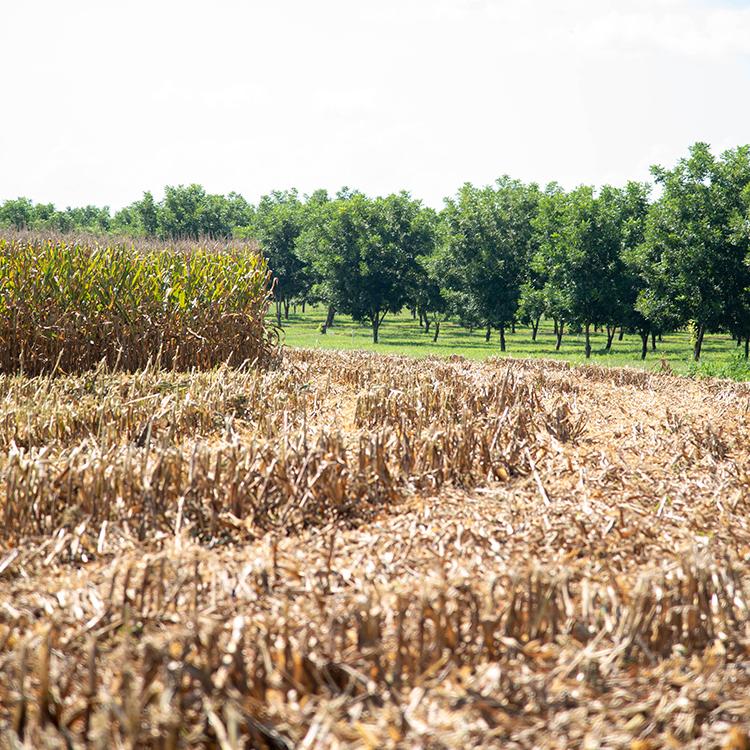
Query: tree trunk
(488, 334)
(427, 322)
(329, 316)
(535, 327)
(747, 346)
(556, 326)
(622, 333)
(653, 341)
(513, 326)
(644, 342)
(559, 334)
(286, 309)
(413, 313)
(278, 313)
(421, 316)
(377, 321)
(502, 338)
(588, 340)
(610, 337)
(739, 340)
(698, 343)
(437, 331)
(304, 302)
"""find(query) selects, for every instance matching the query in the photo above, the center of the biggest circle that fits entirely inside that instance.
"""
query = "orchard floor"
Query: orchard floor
(400, 334)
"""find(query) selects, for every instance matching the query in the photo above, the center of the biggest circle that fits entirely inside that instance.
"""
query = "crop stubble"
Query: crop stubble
(363, 551)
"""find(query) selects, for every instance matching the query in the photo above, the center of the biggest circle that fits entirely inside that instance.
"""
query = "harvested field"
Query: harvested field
(354, 550)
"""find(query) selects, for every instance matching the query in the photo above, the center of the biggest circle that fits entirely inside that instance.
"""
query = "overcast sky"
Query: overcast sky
(103, 100)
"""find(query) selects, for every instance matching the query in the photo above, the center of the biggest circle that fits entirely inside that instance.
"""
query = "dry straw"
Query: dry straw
(362, 551)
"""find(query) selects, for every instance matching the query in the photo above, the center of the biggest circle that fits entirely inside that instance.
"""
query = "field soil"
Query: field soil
(373, 551)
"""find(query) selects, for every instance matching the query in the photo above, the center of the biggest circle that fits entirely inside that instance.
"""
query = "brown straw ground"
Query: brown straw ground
(364, 551)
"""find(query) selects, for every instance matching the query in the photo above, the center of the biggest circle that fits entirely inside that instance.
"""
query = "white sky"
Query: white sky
(103, 100)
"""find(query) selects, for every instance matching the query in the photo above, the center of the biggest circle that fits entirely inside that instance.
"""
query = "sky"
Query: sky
(104, 100)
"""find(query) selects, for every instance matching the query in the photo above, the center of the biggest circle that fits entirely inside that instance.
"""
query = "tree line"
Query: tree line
(185, 212)
(621, 259)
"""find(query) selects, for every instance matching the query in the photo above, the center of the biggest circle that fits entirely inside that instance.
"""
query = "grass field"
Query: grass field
(400, 334)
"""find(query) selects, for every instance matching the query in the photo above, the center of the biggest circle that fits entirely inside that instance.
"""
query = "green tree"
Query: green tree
(579, 250)
(532, 303)
(148, 211)
(547, 225)
(694, 255)
(44, 213)
(632, 280)
(128, 222)
(89, 218)
(180, 211)
(214, 219)
(18, 213)
(432, 295)
(277, 224)
(239, 213)
(366, 251)
(490, 238)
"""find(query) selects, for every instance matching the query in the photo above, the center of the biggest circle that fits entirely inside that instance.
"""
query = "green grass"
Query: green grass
(400, 334)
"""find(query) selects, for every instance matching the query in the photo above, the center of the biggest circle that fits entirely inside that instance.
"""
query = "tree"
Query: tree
(635, 273)
(180, 211)
(546, 225)
(277, 225)
(239, 213)
(188, 212)
(148, 212)
(579, 248)
(622, 214)
(489, 235)
(191, 212)
(310, 283)
(18, 213)
(89, 218)
(532, 303)
(695, 247)
(127, 221)
(366, 252)
(213, 217)
(43, 214)
(431, 296)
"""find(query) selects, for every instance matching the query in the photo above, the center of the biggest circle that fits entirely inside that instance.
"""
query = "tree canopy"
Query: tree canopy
(614, 257)
(366, 252)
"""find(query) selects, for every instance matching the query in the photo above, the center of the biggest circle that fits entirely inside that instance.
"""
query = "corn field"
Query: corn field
(358, 551)
(67, 304)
